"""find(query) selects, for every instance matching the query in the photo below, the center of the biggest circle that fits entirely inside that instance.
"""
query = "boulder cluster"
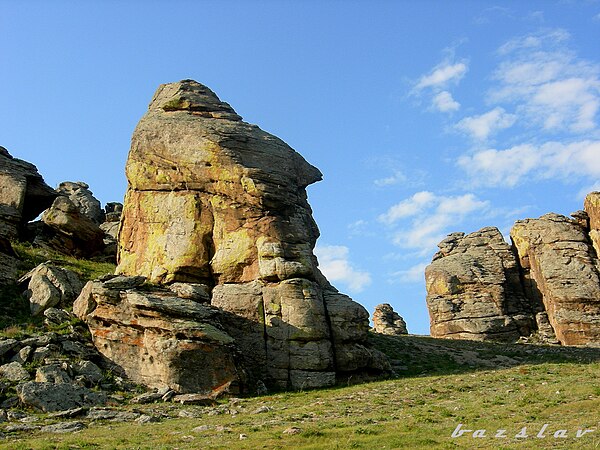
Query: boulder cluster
(546, 285)
(72, 221)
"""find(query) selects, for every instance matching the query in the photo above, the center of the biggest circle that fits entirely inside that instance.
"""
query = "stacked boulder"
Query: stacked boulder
(216, 212)
(387, 321)
(72, 224)
(547, 283)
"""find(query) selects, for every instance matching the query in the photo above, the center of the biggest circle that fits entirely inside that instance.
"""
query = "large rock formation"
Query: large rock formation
(215, 201)
(474, 290)
(547, 283)
(23, 194)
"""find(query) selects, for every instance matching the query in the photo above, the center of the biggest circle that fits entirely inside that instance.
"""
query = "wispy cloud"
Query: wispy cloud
(431, 217)
(437, 82)
(396, 178)
(482, 126)
(334, 262)
(413, 274)
(509, 167)
(444, 102)
(442, 75)
(548, 84)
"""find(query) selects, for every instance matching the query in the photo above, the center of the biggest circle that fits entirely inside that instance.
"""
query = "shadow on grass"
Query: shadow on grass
(423, 355)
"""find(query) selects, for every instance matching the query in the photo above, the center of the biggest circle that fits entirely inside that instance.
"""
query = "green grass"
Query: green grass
(86, 269)
(15, 318)
(555, 386)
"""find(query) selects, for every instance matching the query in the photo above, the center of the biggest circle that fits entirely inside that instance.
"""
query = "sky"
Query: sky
(425, 117)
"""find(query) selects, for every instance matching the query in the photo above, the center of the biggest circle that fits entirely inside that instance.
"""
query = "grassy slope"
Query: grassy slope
(15, 317)
(443, 383)
(439, 384)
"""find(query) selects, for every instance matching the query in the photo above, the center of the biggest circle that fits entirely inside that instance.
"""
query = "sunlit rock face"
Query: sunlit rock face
(547, 284)
(215, 201)
(474, 290)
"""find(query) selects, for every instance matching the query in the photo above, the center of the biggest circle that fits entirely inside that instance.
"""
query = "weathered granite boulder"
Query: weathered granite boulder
(160, 340)
(474, 289)
(69, 231)
(387, 321)
(48, 286)
(561, 269)
(48, 397)
(217, 202)
(23, 194)
(81, 196)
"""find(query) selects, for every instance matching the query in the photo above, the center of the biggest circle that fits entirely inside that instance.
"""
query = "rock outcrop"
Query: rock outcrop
(68, 230)
(474, 290)
(81, 196)
(218, 202)
(23, 194)
(387, 321)
(561, 270)
(49, 286)
(547, 284)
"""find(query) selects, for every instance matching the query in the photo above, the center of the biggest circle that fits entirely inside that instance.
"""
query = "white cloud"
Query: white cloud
(551, 160)
(535, 40)
(431, 217)
(397, 178)
(413, 274)
(409, 207)
(482, 126)
(444, 102)
(550, 86)
(335, 265)
(442, 75)
(587, 189)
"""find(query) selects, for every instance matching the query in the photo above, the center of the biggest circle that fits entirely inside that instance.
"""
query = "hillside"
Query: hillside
(439, 384)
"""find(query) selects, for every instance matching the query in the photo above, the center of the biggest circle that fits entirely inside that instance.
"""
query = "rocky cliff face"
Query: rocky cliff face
(547, 283)
(23, 194)
(219, 205)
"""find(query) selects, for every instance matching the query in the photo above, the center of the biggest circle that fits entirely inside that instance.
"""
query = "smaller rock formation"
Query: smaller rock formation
(23, 194)
(547, 283)
(48, 286)
(81, 196)
(387, 321)
(67, 230)
(110, 226)
(474, 290)
(160, 340)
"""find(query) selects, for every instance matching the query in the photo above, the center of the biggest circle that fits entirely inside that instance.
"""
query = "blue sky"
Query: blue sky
(425, 117)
